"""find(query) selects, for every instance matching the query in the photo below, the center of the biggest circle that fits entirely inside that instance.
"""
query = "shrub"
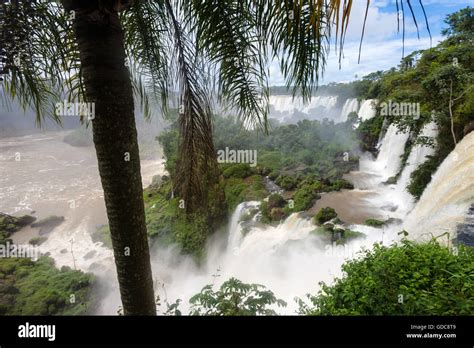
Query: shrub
(325, 214)
(37, 240)
(286, 182)
(374, 222)
(275, 201)
(339, 184)
(240, 170)
(421, 177)
(403, 279)
(38, 288)
(304, 197)
(234, 298)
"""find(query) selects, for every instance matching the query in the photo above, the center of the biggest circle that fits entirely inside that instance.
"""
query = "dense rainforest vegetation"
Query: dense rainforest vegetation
(37, 287)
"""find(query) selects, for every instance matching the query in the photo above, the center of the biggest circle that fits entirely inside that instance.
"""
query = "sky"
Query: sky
(382, 45)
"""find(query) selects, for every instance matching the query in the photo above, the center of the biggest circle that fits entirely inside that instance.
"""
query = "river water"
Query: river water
(41, 175)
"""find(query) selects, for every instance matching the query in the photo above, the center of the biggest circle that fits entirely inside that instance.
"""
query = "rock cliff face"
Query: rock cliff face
(466, 230)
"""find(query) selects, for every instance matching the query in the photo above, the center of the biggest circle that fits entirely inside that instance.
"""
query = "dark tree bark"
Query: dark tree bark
(99, 37)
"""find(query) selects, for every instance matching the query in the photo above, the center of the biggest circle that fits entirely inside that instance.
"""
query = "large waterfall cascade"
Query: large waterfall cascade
(368, 109)
(320, 107)
(447, 198)
(286, 103)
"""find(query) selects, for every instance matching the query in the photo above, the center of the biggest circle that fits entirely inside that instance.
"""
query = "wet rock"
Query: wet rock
(390, 207)
(89, 255)
(48, 224)
(465, 231)
(390, 221)
(329, 225)
(469, 128)
(277, 214)
(10, 224)
(156, 180)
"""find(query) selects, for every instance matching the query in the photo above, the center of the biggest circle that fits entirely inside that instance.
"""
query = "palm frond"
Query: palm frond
(39, 55)
(298, 33)
(227, 33)
(147, 46)
(197, 161)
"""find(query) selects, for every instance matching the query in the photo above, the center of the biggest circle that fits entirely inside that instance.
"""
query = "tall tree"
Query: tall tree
(100, 41)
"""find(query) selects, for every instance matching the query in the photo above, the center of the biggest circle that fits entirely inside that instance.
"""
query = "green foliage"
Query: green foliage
(272, 210)
(325, 214)
(404, 279)
(305, 196)
(167, 222)
(275, 200)
(234, 298)
(391, 181)
(240, 190)
(12, 224)
(37, 240)
(102, 234)
(460, 25)
(289, 150)
(37, 288)
(266, 218)
(169, 140)
(340, 184)
(369, 132)
(421, 176)
(374, 222)
(240, 170)
(286, 182)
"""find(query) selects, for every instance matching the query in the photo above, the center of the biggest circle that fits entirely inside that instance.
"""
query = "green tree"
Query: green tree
(234, 298)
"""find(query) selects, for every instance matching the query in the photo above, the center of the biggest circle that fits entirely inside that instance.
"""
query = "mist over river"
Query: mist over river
(40, 173)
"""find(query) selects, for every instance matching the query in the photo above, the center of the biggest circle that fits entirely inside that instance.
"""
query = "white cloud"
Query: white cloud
(382, 44)
(375, 55)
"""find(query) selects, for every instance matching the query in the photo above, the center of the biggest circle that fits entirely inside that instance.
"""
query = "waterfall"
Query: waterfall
(288, 109)
(418, 154)
(286, 103)
(389, 157)
(367, 109)
(351, 105)
(447, 198)
(235, 227)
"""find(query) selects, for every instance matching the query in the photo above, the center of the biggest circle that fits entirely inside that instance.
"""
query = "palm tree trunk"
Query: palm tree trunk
(99, 37)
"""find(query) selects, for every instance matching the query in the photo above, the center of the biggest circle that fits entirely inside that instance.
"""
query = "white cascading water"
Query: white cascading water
(418, 155)
(367, 109)
(389, 157)
(287, 109)
(284, 107)
(288, 259)
(286, 103)
(351, 105)
(447, 197)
